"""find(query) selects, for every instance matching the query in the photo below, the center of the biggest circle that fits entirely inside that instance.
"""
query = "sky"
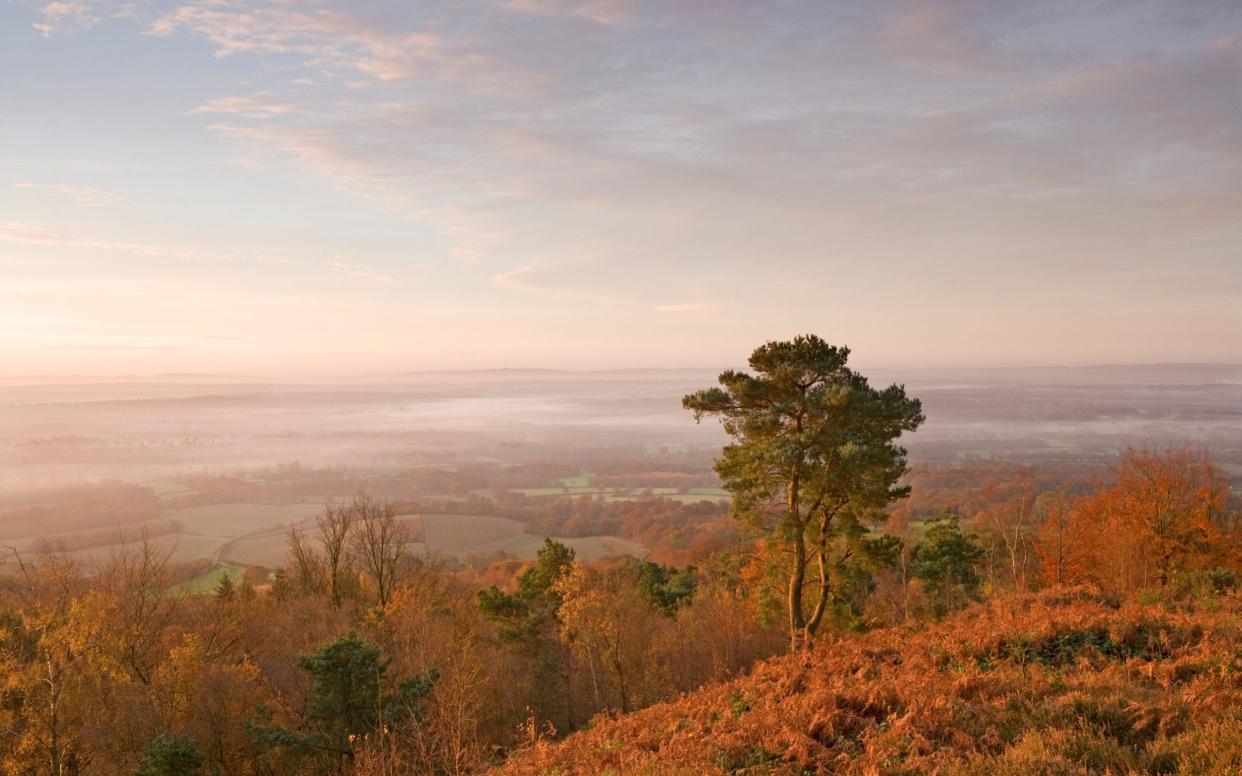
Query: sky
(297, 188)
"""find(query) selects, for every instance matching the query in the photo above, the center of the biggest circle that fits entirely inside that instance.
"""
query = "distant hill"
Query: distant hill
(1090, 375)
(1061, 682)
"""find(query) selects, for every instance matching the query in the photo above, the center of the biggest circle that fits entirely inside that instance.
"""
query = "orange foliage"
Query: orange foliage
(1065, 681)
(1164, 513)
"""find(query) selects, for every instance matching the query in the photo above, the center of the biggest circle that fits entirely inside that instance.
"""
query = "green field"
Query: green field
(207, 581)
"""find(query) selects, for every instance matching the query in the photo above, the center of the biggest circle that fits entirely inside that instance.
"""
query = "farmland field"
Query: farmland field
(586, 547)
(206, 531)
(462, 534)
(180, 547)
(266, 548)
(234, 520)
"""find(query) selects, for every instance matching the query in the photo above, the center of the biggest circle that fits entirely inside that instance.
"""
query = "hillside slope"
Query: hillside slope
(1061, 682)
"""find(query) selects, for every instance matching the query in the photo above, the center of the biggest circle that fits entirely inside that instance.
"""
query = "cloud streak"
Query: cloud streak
(263, 105)
(85, 196)
(20, 233)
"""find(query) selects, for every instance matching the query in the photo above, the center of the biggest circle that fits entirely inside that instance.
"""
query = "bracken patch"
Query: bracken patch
(1067, 681)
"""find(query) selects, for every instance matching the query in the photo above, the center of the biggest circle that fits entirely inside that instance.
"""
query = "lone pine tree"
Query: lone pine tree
(814, 452)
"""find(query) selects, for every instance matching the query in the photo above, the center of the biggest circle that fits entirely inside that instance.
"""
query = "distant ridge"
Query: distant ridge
(34, 379)
(1098, 374)
(1153, 373)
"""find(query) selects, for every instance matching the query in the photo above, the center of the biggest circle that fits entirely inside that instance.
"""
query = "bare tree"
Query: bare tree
(334, 530)
(1057, 510)
(1011, 521)
(381, 541)
(145, 607)
(306, 562)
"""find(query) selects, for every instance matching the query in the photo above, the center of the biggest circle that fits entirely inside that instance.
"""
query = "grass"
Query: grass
(206, 582)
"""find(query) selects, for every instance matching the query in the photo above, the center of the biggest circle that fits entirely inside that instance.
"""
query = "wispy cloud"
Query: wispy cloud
(346, 45)
(51, 237)
(599, 11)
(545, 280)
(86, 196)
(262, 105)
(65, 16)
(361, 271)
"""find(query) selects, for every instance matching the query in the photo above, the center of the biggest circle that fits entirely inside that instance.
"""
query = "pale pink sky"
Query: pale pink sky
(312, 188)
